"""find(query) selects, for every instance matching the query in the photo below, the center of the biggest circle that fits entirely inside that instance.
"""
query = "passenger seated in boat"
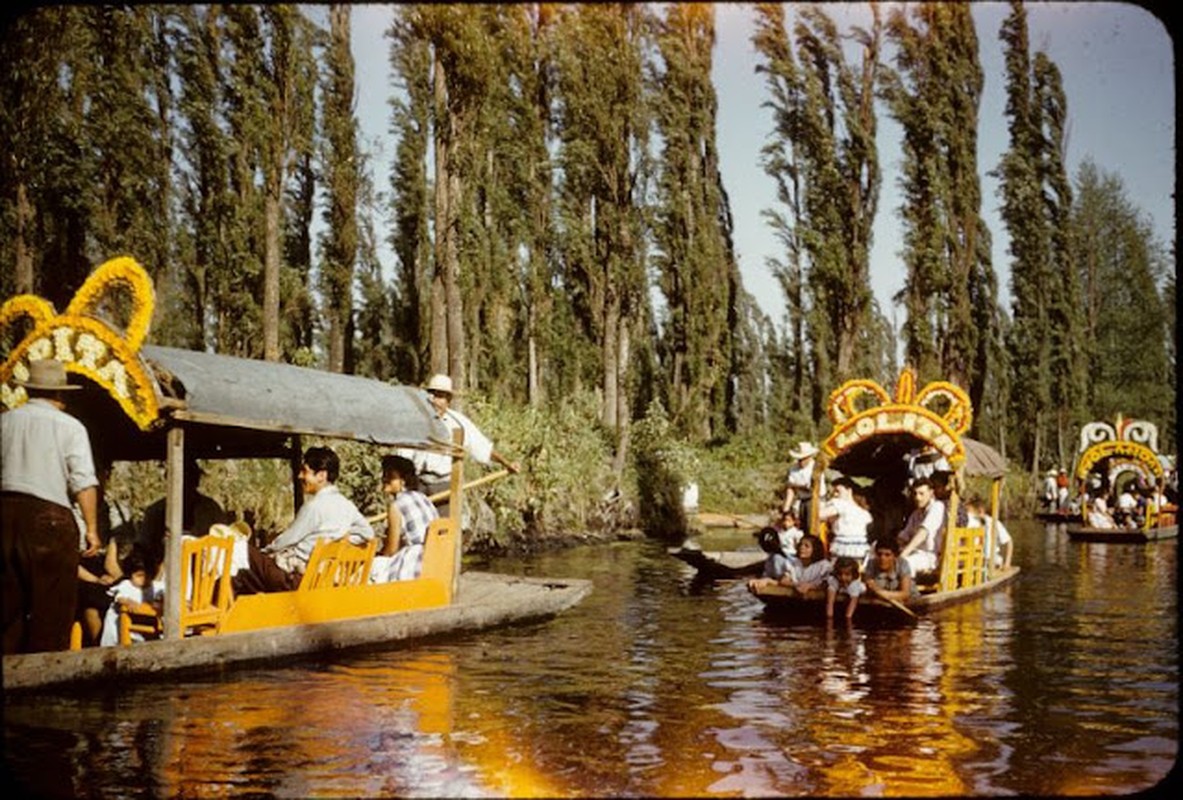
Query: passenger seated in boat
(1099, 516)
(979, 518)
(1125, 511)
(132, 591)
(408, 513)
(942, 488)
(888, 575)
(325, 514)
(920, 538)
(96, 575)
(804, 571)
(848, 520)
(844, 582)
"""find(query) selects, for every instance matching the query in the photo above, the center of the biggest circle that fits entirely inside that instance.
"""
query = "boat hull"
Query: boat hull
(789, 605)
(484, 600)
(722, 563)
(1082, 533)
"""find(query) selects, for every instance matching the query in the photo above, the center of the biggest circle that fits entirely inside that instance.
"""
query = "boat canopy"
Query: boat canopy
(874, 430)
(1129, 441)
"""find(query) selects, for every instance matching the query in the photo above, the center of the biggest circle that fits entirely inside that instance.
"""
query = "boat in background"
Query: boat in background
(873, 432)
(1115, 456)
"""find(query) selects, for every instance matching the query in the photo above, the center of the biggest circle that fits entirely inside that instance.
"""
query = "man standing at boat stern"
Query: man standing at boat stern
(435, 469)
(47, 461)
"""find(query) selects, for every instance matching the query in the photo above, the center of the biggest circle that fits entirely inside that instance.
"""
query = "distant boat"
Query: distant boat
(1114, 456)
(721, 563)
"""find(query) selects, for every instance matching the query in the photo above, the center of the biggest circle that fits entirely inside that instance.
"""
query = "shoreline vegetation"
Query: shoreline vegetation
(566, 495)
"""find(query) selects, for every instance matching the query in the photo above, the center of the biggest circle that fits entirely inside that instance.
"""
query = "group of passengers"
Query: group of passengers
(1131, 507)
(885, 559)
(51, 498)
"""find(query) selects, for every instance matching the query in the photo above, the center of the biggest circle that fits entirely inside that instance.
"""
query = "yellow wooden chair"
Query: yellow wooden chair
(965, 561)
(338, 563)
(205, 591)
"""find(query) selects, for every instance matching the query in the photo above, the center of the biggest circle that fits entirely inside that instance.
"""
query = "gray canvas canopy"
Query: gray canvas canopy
(238, 407)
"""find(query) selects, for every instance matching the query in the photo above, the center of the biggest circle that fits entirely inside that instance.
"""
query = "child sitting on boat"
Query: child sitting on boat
(132, 591)
(844, 582)
(804, 571)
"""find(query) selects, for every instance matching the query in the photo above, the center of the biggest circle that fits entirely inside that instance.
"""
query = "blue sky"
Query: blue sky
(1117, 64)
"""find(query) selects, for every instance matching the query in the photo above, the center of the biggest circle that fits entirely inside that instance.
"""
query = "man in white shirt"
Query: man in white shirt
(47, 462)
(435, 469)
(920, 538)
(325, 514)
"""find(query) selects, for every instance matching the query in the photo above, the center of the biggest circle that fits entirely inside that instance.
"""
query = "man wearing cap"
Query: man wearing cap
(435, 469)
(47, 462)
(799, 483)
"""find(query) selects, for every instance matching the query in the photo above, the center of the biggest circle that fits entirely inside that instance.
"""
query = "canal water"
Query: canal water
(1064, 683)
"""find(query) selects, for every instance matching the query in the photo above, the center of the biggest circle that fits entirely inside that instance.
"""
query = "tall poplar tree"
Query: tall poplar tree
(950, 290)
(603, 127)
(341, 169)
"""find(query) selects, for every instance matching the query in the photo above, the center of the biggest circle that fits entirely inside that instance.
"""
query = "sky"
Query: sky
(1117, 65)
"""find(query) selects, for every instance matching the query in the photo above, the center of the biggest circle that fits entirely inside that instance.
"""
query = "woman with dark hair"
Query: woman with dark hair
(408, 513)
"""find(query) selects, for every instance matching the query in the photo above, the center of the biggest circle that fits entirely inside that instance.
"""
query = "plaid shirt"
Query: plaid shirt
(417, 512)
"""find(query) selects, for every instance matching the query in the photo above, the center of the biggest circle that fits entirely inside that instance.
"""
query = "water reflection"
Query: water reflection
(661, 685)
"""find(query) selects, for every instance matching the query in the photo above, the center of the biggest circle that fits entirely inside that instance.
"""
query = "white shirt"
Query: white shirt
(932, 519)
(30, 436)
(848, 526)
(434, 466)
(328, 514)
(1126, 502)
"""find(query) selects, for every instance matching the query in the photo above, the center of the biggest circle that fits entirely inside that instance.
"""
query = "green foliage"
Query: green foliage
(665, 465)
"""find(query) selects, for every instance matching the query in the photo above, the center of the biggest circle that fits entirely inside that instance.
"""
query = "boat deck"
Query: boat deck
(484, 600)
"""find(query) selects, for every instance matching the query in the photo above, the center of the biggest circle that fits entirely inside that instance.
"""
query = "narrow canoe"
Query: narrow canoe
(1083, 533)
(484, 600)
(1058, 516)
(716, 519)
(722, 563)
(785, 603)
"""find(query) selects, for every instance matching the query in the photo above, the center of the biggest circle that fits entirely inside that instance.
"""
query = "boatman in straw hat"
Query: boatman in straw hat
(47, 462)
(799, 481)
(435, 469)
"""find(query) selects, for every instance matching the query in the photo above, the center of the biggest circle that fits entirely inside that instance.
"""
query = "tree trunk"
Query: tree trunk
(439, 309)
(271, 245)
(23, 254)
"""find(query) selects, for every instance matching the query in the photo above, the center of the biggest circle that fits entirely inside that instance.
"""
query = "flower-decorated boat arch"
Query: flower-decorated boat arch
(862, 410)
(86, 343)
(1129, 443)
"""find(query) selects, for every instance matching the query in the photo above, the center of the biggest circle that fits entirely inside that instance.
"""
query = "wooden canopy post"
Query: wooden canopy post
(455, 503)
(296, 459)
(174, 467)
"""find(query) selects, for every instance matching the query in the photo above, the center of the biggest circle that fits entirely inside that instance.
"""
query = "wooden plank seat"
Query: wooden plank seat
(205, 591)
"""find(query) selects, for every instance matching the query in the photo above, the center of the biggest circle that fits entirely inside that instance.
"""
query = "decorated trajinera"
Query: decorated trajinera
(149, 403)
(873, 433)
(1112, 458)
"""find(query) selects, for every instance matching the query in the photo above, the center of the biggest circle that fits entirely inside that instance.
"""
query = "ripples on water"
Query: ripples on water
(657, 685)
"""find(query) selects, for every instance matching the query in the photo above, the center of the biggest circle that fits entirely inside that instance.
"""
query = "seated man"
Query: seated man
(326, 514)
(889, 576)
(920, 538)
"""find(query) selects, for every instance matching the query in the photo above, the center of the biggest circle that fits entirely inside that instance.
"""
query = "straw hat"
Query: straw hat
(48, 374)
(439, 383)
(803, 450)
(1051, 473)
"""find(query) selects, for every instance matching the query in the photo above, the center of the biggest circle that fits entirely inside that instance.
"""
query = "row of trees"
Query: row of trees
(558, 216)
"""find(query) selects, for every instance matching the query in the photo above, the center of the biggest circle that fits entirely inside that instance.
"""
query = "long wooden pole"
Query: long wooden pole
(435, 498)
(896, 603)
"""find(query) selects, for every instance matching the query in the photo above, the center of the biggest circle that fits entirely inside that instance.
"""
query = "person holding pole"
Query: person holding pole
(435, 469)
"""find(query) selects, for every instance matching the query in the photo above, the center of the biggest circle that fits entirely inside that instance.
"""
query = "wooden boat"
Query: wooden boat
(1058, 517)
(873, 431)
(1111, 456)
(721, 563)
(157, 403)
(718, 519)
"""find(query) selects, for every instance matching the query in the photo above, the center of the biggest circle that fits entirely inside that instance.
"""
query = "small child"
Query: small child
(131, 591)
(844, 581)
